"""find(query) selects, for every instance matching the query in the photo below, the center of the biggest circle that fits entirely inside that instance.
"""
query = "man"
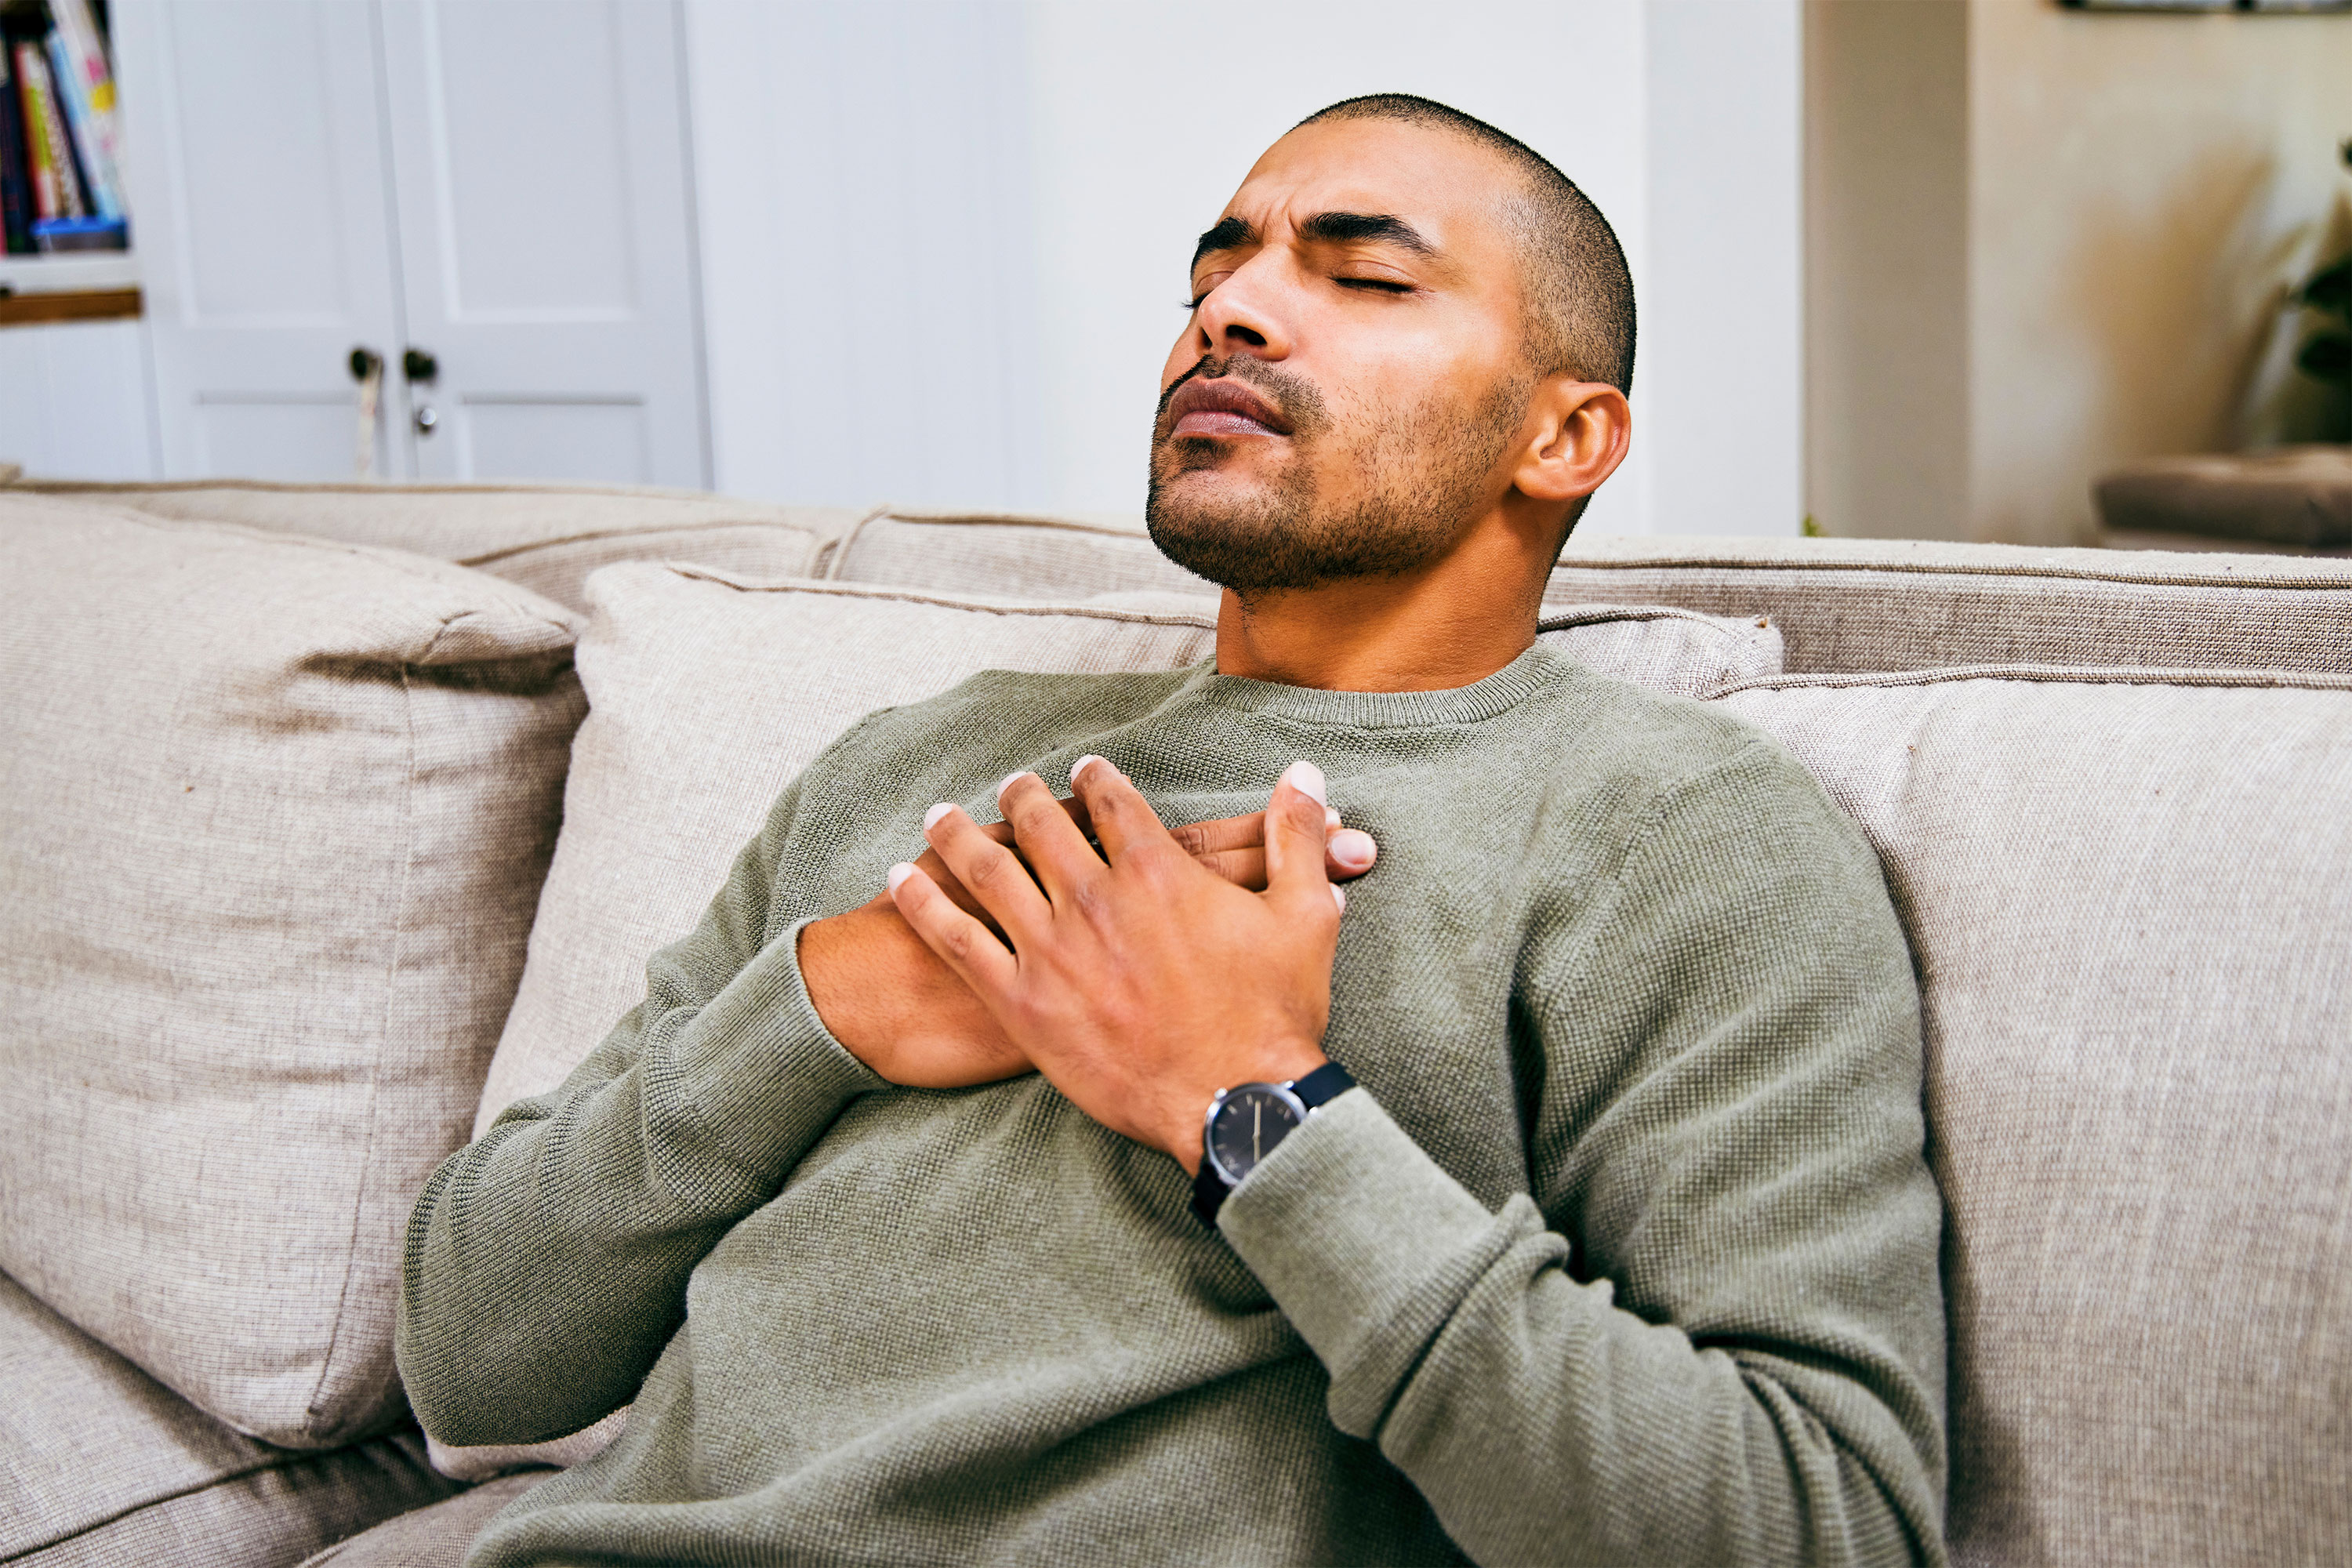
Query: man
(888, 1212)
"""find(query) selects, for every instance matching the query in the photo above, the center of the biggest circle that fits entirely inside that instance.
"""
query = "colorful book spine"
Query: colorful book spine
(16, 183)
(56, 192)
(86, 86)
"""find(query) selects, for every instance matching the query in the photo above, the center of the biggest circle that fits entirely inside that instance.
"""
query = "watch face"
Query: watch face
(1252, 1120)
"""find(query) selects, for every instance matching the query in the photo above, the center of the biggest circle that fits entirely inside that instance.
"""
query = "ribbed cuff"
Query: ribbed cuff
(1366, 1245)
(763, 1075)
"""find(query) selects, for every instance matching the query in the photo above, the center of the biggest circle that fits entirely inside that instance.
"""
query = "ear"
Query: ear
(1579, 432)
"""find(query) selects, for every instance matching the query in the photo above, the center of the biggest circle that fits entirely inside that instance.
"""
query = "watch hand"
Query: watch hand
(1257, 1124)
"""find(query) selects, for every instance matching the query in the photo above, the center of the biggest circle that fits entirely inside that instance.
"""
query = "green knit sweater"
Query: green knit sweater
(1625, 1251)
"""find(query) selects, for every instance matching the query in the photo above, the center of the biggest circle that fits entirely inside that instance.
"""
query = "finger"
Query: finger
(1124, 820)
(929, 863)
(1219, 835)
(1056, 853)
(960, 943)
(1295, 842)
(991, 872)
(1348, 854)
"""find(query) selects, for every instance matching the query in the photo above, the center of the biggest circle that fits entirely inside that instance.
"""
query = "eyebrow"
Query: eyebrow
(1383, 228)
(1329, 228)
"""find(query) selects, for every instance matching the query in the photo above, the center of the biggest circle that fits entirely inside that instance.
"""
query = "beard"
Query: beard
(1423, 470)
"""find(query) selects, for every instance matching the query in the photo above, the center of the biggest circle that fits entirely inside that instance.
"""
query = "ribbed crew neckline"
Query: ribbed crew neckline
(1498, 693)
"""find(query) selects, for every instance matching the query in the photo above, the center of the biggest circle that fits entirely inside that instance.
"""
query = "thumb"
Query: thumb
(1295, 874)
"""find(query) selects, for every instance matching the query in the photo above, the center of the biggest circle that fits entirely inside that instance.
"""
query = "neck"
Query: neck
(1442, 625)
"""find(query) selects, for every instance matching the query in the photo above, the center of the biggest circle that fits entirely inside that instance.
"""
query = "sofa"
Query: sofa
(336, 818)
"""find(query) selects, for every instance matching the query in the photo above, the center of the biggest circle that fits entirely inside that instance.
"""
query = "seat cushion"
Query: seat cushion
(1008, 552)
(2131, 907)
(546, 536)
(432, 1536)
(101, 1464)
(276, 811)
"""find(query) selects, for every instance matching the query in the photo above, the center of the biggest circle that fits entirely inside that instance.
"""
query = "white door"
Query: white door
(539, 156)
(257, 191)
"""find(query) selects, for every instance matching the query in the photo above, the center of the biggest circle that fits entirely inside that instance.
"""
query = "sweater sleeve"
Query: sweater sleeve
(547, 1261)
(1713, 1331)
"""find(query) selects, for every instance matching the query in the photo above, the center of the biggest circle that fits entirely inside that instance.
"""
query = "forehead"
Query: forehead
(1445, 184)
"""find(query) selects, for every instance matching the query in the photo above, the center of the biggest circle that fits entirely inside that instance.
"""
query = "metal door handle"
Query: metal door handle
(427, 421)
(419, 364)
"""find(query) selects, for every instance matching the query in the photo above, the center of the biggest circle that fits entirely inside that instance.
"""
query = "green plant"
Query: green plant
(2326, 355)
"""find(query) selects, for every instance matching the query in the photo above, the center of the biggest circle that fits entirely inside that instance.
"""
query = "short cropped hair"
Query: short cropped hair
(1580, 292)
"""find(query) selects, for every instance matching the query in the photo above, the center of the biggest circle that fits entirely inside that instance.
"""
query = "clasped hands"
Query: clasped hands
(1139, 978)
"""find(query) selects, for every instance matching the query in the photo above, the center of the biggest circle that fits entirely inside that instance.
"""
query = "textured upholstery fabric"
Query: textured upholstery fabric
(434, 1537)
(101, 1464)
(276, 812)
(989, 552)
(1846, 604)
(2295, 495)
(545, 537)
(2131, 907)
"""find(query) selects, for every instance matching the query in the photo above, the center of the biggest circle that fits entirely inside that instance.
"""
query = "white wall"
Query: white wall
(944, 242)
(74, 401)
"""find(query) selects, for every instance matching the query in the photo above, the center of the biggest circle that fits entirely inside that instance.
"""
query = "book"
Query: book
(57, 192)
(16, 183)
(85, 89)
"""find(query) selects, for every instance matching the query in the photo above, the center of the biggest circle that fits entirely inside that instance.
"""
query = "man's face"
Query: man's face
(1342, 402)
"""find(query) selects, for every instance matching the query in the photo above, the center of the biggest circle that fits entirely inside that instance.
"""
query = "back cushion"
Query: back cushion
(1861, 604)
(545, 537)
(707, 695)
(2131, 907)
(276, 813)
(989, 552)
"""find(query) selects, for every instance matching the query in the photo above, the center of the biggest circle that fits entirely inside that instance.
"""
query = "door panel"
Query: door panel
(538, 154)
(259, 182)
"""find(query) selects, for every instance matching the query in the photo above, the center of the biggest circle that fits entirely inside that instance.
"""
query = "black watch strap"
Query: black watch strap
(1324, 1085)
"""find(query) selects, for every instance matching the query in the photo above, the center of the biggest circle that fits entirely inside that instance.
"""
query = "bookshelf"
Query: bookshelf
(69, 44)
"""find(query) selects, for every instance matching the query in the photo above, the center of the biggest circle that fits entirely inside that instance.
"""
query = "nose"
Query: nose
(1243, 314)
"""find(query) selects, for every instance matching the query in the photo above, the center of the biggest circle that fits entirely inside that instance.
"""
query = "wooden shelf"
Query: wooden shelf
(82, 305)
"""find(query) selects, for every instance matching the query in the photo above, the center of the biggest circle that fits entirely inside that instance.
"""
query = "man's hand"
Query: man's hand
(905, 1014)
(1138, 980)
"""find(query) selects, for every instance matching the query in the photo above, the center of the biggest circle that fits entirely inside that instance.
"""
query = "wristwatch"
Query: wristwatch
(1246, 1122)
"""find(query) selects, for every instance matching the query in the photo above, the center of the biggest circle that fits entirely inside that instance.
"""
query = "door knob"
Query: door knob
(364, 362)
(419, 365)
(427, 421)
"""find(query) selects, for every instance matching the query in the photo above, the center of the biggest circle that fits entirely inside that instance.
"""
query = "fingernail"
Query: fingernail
(1008, 781)
(898, 874)
(1081, 766)
(1353, 847)
(931, 817)
(1339, 897)
(1331, 819)
(1307, 780)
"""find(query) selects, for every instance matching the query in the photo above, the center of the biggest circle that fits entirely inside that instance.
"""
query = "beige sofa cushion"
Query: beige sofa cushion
(546, 536)
(2131, 906)
(101, 1464)
(708, 694)
(1856, 604)
(1018, 554)
(276, 811)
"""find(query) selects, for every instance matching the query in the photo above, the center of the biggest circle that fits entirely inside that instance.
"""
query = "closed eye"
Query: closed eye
(1385, 285)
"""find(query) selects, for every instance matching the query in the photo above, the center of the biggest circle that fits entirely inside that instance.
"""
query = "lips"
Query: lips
(1224, 408)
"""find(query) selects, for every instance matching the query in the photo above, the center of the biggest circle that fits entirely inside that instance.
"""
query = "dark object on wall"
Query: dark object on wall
(2293, 495)
(2326, 355)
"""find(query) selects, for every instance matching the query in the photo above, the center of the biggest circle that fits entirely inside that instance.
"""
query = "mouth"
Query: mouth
(1222, 407)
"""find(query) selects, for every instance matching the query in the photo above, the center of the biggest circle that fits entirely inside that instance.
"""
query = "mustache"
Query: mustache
(1293, 395)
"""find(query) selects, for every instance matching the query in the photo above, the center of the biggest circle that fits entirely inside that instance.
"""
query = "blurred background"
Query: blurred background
(1908, 268)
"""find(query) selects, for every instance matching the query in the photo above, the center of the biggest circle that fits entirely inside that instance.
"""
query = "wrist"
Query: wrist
(1188, 1119)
